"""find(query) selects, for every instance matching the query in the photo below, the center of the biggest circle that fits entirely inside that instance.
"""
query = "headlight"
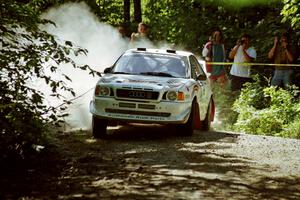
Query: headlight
(102, 91)
(172, 95)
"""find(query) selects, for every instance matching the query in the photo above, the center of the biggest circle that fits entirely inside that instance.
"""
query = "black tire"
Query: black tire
(99, 128)
(205, 124)
(187, 129)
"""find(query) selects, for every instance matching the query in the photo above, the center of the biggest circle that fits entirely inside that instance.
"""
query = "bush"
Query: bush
(268, 110)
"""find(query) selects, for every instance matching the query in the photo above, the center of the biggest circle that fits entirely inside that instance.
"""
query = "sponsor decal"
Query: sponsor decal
(174, 84)
(136, 117)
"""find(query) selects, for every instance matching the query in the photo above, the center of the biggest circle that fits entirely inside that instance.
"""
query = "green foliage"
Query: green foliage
(110, 11)
(268, 110)
(293, 130)
(291, 13)
(176, 22)
(24, 52)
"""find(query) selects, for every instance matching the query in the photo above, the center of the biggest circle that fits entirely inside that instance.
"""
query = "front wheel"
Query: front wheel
(207, 121)
(99, 128)
(187, 129)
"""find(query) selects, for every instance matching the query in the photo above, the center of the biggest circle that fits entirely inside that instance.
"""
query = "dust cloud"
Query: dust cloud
(75, 22)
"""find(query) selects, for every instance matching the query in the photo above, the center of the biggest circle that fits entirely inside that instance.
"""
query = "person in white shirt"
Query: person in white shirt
(142, 33)
(241, 53)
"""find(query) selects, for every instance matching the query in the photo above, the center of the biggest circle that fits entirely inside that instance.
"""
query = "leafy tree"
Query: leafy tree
(291, 13)
(25, 49)
(111, 12)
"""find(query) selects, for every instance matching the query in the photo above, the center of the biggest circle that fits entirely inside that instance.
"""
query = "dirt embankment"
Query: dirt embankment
(150, 162)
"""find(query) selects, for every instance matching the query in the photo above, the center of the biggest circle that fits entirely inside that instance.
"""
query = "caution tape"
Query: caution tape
(253, 64)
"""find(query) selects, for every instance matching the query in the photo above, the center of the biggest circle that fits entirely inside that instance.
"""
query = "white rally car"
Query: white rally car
(153, 86)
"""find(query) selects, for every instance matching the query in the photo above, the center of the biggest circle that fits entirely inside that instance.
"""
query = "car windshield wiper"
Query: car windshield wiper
(157, 74)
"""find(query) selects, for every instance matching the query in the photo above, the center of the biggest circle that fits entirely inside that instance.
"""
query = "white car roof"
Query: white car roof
(161, 51)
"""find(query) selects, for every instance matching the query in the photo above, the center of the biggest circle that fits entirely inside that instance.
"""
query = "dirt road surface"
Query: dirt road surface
(151, 162)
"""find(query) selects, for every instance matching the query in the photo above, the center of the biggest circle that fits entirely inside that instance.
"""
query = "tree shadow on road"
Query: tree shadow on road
(149, 162)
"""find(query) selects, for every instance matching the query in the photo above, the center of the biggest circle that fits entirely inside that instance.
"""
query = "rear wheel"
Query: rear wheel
(99, 128)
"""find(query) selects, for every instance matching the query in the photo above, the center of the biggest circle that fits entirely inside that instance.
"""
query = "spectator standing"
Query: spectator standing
(241, 53)
(214, 51)
(123, 31)
(282, 52)
(142, 33)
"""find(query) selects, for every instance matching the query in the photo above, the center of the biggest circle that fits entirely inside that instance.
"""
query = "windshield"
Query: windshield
(152, 64)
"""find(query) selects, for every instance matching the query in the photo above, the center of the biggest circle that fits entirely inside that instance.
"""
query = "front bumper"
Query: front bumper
(164, 112)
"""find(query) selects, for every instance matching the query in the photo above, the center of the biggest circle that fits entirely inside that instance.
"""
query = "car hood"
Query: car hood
(143, 81)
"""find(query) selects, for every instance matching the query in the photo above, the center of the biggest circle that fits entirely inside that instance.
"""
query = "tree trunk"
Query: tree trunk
(137, 11)
(126, 10)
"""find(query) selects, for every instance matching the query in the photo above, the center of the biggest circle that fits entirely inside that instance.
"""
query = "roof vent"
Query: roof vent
(141, 49)
(171, 51)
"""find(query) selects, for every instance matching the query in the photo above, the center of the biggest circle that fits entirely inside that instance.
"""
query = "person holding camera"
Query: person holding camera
(282, 52)
(241, 53)
(214, 51)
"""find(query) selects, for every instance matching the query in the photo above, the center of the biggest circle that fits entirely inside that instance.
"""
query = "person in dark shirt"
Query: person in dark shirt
(282, 52)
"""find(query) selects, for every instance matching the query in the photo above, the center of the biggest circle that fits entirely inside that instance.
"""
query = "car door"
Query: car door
(204, 91)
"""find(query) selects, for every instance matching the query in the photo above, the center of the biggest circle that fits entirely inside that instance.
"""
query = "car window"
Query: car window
(129, 63)
(136, 63)
(175, 66)
(196, 68)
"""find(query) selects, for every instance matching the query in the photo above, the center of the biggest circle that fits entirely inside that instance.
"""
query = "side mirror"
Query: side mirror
(201, 77)
(107, 70)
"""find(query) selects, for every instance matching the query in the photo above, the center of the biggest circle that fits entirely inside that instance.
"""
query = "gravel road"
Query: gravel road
(151, 162)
